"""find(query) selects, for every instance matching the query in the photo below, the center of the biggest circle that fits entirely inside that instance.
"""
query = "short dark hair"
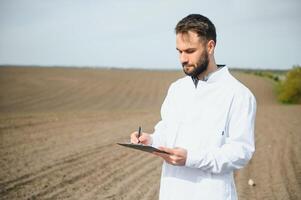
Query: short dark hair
(199, 24)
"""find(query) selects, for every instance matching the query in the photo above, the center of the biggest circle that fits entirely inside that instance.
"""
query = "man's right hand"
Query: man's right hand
(144, 138)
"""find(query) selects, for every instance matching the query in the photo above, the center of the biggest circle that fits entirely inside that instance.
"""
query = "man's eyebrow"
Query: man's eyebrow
(186, 49)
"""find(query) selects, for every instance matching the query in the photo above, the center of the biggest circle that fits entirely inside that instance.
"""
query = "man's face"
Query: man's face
(192, 53)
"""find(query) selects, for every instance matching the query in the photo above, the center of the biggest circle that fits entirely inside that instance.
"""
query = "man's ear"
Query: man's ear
(210, 47)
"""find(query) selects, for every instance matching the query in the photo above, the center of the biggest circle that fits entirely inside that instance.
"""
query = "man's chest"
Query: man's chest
(200, 117)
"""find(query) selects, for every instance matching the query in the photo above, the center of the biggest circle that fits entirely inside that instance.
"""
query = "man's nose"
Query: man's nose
(183, 58)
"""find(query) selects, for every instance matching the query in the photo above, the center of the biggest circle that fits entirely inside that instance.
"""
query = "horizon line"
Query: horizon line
(136, 68)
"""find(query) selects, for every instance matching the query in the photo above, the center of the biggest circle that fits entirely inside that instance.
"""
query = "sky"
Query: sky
(261, 34)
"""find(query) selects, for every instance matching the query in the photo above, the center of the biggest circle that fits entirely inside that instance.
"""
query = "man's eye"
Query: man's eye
(190, 51)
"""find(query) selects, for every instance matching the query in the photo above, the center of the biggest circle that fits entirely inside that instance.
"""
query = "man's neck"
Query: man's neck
(211, 68)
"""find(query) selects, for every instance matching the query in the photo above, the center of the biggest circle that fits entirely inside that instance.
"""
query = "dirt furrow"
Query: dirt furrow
(118, 174)
(59, 175)
(142, 183)
(38, 134)
(77, 177)
(88, 184)
(64, 163)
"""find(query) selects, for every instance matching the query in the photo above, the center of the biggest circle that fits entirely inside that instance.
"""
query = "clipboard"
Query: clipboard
(143, 147)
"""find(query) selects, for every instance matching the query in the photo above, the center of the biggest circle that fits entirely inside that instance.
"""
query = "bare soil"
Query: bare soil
(59, 128)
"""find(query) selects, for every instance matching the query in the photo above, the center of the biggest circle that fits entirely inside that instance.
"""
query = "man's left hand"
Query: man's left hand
(177, 156)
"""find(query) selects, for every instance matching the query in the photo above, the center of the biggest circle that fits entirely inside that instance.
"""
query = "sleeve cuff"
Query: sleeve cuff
(194, 160)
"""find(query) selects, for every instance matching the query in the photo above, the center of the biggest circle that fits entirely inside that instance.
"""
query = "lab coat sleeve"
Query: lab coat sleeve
(239, 146)
(158, 136)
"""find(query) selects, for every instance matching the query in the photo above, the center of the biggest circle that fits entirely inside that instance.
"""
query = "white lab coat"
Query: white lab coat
(215, 124)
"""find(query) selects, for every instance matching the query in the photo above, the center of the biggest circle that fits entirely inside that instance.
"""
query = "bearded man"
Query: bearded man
(207, 121)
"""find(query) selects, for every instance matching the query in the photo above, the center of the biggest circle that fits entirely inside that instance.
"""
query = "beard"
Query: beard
(201, 66)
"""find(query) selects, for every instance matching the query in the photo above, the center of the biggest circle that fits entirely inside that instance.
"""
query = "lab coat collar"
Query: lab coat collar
(216, 76)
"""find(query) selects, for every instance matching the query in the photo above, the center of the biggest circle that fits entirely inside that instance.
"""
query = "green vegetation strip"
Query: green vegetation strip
(287, 83)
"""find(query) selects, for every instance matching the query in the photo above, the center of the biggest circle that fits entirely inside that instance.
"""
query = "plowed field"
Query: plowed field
(59, 128)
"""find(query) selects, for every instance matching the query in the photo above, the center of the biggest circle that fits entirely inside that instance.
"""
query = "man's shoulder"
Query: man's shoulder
(181, 82)
(238, 88)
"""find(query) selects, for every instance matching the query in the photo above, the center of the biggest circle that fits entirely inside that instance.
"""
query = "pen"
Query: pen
(139, 133)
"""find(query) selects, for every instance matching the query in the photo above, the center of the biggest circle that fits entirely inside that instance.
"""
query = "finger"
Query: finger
(170, 159)
(142, 139)
(134, 138)
(159, 154)
(165, 156)
(168, 150)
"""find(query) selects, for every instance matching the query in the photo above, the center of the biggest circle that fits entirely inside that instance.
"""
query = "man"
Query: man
(207, 122)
